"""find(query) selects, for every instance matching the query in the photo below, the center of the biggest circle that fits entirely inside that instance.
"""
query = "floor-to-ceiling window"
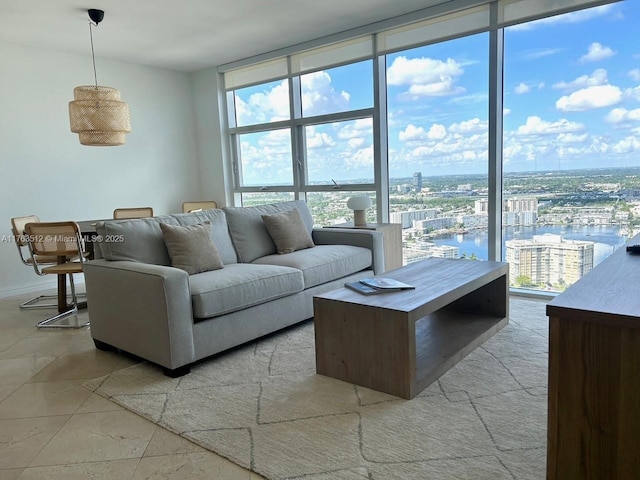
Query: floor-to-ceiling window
(571, 143)
(309, 135)
(437, 108)
(403, 116)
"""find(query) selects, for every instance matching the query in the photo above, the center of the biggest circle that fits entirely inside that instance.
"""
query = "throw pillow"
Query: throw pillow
(191, 248)
(288, 232)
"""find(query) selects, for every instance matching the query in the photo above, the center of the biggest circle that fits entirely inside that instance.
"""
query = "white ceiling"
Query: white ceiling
(188, 35)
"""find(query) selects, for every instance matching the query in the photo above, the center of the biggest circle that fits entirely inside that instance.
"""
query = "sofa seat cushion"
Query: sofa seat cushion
(322, 263)
(239, 286)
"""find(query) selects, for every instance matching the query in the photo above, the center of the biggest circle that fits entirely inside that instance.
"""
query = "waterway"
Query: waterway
(606, 238)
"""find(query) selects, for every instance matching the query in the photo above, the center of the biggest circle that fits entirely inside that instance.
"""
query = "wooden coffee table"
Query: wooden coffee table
(401, 342)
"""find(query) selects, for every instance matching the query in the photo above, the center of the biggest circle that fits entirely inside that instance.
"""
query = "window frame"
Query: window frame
(378, 112)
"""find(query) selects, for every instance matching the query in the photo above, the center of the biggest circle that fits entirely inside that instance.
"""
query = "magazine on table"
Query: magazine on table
(377, 285)
(364, 289)
(384, 283)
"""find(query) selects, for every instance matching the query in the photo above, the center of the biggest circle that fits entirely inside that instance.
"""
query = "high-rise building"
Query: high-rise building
(514, 204)
(521, 204)
(549, 259)
(444, 251)
(417, 181)
(516, 211)
(406, 219)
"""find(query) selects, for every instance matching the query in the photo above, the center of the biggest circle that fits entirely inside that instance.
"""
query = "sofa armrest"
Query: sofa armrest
(142, 309)
(358, 238)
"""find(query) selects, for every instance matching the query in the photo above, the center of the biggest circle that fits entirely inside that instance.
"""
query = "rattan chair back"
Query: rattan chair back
(134, 212)
(17, 228)
(60, 239)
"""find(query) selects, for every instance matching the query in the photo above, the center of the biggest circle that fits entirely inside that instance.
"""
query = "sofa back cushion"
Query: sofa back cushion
(137, 240)
(249, 233)
(141, 240)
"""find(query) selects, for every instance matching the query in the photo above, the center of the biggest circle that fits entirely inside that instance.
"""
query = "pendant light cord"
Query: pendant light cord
(93, 57)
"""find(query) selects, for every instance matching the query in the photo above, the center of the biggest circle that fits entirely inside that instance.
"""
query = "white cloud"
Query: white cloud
(627, 145)
(437, 89)
(597, 52)
(463, 143)
(318, 139)
(426, 76)
(635, 74)
(633, 93)
(473, 98)
(590, 98)
(418, 134)
(522, 88)
(475, 125)
(266, 106)
(360, 128)
(619, 115)
(361, 158)
(319, 95)
(536, 126)
(411, 133)
(355, 143)
(437, 132)
(573, 17)
(506, 111)
(548, 149)
(537, 54)
(598, 77)
(276, 139)
(572, 138)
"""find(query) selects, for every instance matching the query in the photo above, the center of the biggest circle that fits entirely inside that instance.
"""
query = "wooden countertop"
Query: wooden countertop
(609, 294)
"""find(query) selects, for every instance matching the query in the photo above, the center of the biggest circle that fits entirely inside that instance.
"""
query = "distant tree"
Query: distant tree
(524, 281)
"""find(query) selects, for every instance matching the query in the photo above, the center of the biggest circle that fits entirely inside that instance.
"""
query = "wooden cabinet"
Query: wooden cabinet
(392, 240)
(594, 374)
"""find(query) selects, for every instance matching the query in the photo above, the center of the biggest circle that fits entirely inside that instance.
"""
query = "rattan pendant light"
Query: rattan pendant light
(96, 113)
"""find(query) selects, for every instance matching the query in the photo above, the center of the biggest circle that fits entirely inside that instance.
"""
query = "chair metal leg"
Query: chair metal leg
(35, 302)
(48, 323)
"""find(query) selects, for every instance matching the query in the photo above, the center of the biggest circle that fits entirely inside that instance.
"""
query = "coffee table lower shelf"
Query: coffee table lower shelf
(444, 338)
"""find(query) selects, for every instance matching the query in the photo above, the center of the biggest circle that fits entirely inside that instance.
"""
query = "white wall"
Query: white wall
(45, 171)
(216, 180)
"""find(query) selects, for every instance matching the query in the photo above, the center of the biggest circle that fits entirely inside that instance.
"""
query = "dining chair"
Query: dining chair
(197, 206)
(17, 230)
(134, 212)
(62, 241)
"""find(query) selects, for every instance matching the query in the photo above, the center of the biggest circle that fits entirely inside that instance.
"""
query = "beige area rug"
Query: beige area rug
(263, 407)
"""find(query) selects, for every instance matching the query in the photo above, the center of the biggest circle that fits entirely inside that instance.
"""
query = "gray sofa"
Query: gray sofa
(139, 304)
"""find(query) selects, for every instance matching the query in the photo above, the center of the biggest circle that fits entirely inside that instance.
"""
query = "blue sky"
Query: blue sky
(571, 98)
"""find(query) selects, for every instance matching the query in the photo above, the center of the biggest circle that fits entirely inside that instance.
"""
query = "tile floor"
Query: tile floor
(53, 428)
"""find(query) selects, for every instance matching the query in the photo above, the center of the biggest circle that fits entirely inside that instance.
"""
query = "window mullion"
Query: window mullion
(496, 67)
(380, 138)
(297, 139)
